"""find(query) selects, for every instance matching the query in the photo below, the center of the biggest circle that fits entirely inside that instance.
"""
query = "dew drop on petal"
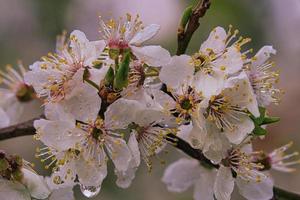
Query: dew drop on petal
(89, 191)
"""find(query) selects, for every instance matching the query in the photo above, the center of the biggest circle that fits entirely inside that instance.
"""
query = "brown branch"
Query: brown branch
(184, 36)
(22, 129)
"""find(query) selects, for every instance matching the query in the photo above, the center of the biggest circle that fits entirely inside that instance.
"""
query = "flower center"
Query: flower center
(222, 113)
(25, 93)
(202, 62)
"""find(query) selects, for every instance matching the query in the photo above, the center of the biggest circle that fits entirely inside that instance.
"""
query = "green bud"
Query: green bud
(121, 79)
(109, 77)
(185, 18)
(113, 53)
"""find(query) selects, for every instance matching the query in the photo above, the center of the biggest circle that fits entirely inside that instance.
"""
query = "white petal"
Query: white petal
(209, 84)
(224, 184)
(62, 194)
(10, 190)
(177, 72)
(119, 152)
(184, 131)
(256, 191)
(244, 127)
(134, 149)
(84, 104)
(215, 41)
(155, 56)
(97, 75)
(230, 62)
(146, 34)
(182, 174)
(89, 174)
(60, 135)
(35, 184)
(121, 113)
(240, 93)
(4, 119)
(215, 145)
(263, 55)
(204, 186)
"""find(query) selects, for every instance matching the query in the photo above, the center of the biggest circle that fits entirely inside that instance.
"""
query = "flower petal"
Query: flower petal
(62, 194)
(10, 190)
(155, 56)
(89, 174)
(177, 72)
(256, 190)
(224, 184)
(4, 119)
(215, 41)
(60, 135)
(182, 174)
(35, 184)
(209, 84)
(125, 177)
(263, 55)
(119, 152)
(204, 186)
(230, 62)
(146, 34)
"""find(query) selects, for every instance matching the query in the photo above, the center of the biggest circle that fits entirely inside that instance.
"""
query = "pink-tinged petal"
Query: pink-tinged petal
(216, 41)
(256, 190)
(35, 184)
(146, 34)
(177, 72)
(119, 152)
(125, 177)
(224, 184)
(181, 175)
(10, 190)
(155, 56)
(230, 62)
(263, 55)
(4, 119)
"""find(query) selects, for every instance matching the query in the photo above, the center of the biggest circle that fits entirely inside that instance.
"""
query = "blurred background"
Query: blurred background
(28, 30)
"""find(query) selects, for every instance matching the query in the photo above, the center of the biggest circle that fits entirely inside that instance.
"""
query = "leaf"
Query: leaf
(109, 77)
(259, 131)
(270, 120)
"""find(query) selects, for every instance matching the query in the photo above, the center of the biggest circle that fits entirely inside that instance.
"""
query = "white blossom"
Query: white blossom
(129, 33)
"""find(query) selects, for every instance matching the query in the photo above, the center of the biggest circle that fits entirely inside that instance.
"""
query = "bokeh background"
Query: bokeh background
(28, 30)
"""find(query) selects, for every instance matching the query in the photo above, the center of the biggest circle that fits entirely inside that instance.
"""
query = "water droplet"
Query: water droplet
(90, 191)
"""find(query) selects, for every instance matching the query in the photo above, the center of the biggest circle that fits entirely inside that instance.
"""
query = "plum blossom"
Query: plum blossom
(219, 183)
(262, 78)
(129, 33)
(80, 147)
(59, 75)
(17, 99)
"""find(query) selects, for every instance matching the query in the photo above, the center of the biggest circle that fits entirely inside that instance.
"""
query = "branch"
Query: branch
(22, 129)
(279, 194)
(184, 35)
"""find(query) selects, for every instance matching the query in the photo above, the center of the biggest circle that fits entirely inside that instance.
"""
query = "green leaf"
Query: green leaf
(121, 79)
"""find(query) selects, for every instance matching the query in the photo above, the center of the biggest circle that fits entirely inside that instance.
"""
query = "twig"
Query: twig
(279, 194)
(184, 35)
(22, 129)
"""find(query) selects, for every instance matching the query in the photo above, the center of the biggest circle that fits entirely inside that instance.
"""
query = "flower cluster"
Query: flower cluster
(119, 99)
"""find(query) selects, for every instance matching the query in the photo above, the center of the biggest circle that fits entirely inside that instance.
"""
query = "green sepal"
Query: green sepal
(259, 131)
(121, 79)
(3, 164)
(270, 120)
(263, 119)
(109, 77)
